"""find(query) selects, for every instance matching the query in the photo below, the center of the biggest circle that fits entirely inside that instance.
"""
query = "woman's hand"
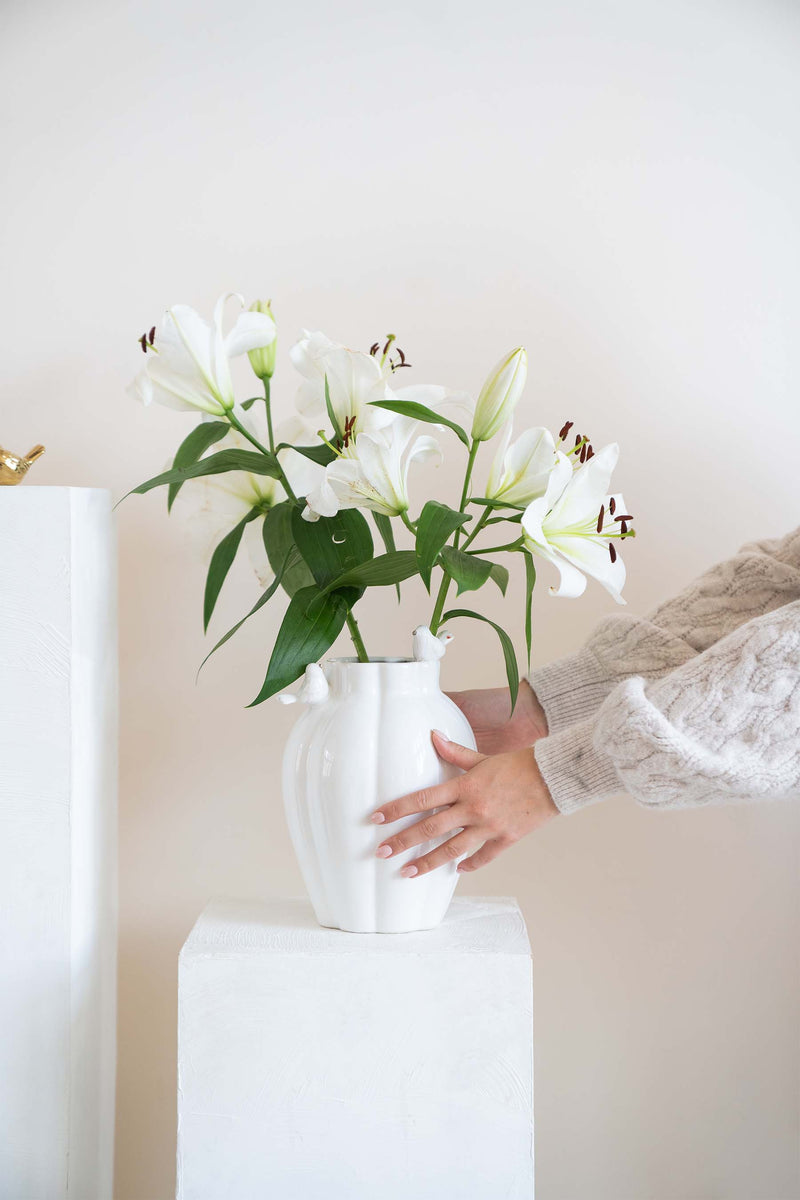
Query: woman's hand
(496, 728)
(495, 802)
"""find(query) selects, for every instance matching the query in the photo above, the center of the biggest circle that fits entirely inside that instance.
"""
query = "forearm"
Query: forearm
(725, 726)
(761, 578)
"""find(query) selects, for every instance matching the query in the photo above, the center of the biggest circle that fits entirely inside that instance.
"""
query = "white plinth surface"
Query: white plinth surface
(57, 843)
(321, 1065)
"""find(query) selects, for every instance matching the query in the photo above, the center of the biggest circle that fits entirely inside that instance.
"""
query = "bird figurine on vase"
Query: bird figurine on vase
(314, 689)
(14, 467)
(427, 646)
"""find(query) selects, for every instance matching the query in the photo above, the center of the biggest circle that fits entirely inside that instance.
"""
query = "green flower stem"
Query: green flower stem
(438, 607)
(358, 641)
(409, 524)
(268, 405)
(496, 549)
(473, 450)
(447, 579)
(255, 442)
(482, 519)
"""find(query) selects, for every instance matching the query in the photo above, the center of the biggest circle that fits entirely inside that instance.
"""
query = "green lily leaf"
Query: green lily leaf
(420, 412)
(260, 602)
(194, 447)
(512, 671)
(321, 454)
(386, 530)
(310, 627)
(337, 432)
(378, 572)
(499, 575)
(220, 564)
(435, 525)
(282, 550)
(486, 503)
(469, 572)
(216, 464)
(530, 582)
(332, 545)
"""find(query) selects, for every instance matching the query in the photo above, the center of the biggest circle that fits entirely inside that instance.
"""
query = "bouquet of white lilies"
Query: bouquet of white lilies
(296, 493)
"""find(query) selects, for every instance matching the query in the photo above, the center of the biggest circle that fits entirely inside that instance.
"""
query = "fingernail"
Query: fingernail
(441, 735)
(377, 818)
(383, 852)
(408, 872)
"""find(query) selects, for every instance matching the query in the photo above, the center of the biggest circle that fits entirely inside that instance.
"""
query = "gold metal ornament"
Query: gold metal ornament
(14, 467)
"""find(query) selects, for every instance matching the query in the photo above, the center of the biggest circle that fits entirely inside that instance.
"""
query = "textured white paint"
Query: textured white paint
(367, 742)
(320, 1065)
(58, 705)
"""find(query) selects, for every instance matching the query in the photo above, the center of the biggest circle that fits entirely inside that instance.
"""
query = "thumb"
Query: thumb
(452, 752)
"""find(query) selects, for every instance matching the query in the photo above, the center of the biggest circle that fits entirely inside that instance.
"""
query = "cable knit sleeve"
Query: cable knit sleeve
(724, 726)
(762, 577)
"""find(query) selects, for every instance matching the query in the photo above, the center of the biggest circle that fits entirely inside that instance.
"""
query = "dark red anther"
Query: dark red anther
(578, 440)
(582, 455)
(612, 504)
(143, 342)
(564, 430)
(623, 525)
(402, 357)
(374, 348)
(612, 551)
(152, 335)
(623, 517)
(600, 518)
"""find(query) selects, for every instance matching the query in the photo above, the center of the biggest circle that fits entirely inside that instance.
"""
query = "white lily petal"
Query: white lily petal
(322, 500)
(572, 583)
(250, 331)
(581, 501)
(591, 556)
(426, 449)
(185, 341)
(303, 473)
(497, 469)
(535, 515)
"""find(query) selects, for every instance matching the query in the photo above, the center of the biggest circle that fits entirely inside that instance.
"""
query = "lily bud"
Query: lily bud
(499, 395)
(262, 360)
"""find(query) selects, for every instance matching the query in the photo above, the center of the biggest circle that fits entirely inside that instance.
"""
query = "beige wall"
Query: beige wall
(615, 184)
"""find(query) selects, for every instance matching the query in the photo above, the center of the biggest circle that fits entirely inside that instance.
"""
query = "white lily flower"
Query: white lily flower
(521, 469)
(372, 472)
(577, 526)
(355, 381)
(188, 360)
(499, 395)
(214, 504)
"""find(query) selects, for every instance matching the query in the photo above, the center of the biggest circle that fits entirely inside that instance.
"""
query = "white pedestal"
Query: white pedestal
(320, 1065)
(57, 843)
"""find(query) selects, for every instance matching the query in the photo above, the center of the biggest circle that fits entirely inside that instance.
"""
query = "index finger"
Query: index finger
(417, 802)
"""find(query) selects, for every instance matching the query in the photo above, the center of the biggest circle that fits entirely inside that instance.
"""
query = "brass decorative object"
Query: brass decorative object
(14, 468)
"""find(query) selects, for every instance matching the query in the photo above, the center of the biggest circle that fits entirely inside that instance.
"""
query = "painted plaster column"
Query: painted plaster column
(58, 740)
(321, 1065)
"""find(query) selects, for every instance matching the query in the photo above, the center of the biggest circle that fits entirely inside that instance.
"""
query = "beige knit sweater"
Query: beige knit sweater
(697, 704)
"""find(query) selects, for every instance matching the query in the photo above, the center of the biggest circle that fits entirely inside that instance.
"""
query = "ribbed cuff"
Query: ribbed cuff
(571, 689)
(575, 772)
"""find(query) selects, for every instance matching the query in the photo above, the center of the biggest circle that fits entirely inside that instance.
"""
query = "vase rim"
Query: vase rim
(352, 661)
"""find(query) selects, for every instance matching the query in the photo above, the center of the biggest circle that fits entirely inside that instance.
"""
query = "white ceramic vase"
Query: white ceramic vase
(365, 743)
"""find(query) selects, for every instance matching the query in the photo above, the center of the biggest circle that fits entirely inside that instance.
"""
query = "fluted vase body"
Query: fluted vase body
(367, 743)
